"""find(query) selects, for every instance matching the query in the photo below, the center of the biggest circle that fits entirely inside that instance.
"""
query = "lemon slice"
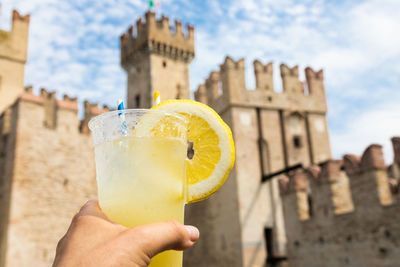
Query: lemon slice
(214, 151)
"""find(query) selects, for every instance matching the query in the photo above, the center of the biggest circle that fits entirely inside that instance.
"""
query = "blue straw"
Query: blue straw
(120, 105)
(121, 115)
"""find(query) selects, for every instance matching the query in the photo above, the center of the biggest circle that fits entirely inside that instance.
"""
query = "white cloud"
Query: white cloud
(296, 10)
(375, 26)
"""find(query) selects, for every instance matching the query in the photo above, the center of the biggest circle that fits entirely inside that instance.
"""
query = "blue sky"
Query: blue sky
(74, 49)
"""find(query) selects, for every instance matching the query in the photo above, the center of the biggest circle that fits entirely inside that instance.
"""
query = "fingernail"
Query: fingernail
(193, 232)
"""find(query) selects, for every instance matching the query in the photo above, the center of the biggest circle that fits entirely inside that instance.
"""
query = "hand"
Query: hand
(92, 240)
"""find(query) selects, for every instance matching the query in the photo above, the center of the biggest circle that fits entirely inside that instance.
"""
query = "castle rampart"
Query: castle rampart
(272, 131)
(62, 112)
(394, 168)
(212, 86)
(46, 162)
(344, 212)
(263, 73)
(91, 110)
(201, 94)
(290, 80)
(231, 79)
(156, 36)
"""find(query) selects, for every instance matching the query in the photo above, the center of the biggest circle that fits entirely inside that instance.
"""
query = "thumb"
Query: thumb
(157, 237)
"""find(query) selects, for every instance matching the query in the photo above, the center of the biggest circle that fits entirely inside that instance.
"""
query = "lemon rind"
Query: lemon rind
(205, 188)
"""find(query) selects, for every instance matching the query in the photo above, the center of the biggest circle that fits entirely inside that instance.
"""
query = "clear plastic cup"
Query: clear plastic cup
(140, 169)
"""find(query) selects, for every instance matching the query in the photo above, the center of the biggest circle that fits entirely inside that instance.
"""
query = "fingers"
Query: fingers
(158, 237)
(92, 208)
(152, 238)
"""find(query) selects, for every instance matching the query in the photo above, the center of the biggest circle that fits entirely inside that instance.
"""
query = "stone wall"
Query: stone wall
(295, 119)
(49, 174)
(8, 121)
(271, 131)
(344, 212)
(219, 223)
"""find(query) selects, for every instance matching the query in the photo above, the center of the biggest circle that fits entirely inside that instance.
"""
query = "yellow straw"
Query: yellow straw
(156, 98)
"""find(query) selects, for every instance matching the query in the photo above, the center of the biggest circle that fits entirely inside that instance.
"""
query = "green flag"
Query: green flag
(151, 3)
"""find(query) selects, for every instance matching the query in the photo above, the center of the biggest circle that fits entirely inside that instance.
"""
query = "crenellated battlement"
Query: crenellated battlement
(227, 87)
(369, 181)
(64, 110)
(17, 16)
(329, 171)
(14, 44)
(315, 82)
(212, 86)
(396, 149)
(46, 97)
(263, 73)
(229, 63)
(157, 36)
(290, 80)
(201, 94)
(298, 182)
(91, 110)
(348, 208)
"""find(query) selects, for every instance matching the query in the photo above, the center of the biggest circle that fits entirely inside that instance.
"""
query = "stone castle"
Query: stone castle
(47, 163)
(46, 159)
(344, 212)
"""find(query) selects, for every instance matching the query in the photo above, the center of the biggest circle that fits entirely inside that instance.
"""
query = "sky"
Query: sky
(74, 49)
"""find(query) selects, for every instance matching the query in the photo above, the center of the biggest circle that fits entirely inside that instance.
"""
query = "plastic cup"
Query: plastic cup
(140, 169)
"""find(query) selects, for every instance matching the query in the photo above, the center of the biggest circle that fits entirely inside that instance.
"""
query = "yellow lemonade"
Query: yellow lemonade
(141, 157)
(142, 180)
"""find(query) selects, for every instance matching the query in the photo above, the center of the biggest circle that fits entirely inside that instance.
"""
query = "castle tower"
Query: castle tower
(156, 59)
(13, 54)
(243, 223)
